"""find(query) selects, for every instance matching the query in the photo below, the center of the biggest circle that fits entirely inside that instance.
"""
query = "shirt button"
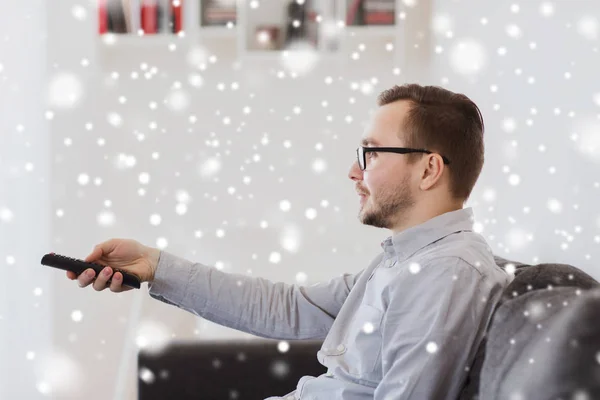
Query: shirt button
(341, 347)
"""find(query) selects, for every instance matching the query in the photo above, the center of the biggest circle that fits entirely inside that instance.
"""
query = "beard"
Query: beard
(390, 204)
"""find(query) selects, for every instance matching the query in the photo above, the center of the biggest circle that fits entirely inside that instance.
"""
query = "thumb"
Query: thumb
(94, 255)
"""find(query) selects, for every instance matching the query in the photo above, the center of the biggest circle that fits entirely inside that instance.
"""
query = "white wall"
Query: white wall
(98, 332)
(539, 87)
(102, 343)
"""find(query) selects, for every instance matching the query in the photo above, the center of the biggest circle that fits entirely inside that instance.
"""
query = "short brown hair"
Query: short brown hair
(447, 123)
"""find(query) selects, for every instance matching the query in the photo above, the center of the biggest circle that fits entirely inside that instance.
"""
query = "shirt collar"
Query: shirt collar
(404, 244)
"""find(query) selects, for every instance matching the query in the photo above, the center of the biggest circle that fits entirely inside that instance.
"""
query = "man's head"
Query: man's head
(403, 190)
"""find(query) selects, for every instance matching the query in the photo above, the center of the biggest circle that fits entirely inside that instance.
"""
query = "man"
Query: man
(409, 325)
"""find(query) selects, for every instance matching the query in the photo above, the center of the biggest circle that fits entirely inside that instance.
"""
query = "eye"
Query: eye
(372, 154)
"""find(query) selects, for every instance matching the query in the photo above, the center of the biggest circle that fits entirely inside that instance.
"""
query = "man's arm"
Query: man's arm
(251, 304)
(434, 323)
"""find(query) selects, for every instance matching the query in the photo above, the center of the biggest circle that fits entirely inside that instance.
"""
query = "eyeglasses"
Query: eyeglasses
(361, 153)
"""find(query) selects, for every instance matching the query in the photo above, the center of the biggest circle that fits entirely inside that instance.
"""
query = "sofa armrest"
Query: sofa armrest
(226, 369)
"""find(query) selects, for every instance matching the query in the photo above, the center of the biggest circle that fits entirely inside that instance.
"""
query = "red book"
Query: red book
(379, 18)
(149, 10)
(352, 12)
(176, 15)
(102, 17)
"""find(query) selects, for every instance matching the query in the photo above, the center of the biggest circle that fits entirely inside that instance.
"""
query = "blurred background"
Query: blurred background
(223, 131)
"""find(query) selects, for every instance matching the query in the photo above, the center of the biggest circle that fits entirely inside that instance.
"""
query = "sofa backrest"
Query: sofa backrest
(514, 326)
(543, 276)
(544, 345)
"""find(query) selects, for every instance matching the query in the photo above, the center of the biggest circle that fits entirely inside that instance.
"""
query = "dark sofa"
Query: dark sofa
(543, 344)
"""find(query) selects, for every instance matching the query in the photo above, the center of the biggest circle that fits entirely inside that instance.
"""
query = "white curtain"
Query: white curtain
(25, 214)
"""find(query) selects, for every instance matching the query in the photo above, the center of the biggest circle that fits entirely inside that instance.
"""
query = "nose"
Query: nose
(355, 172)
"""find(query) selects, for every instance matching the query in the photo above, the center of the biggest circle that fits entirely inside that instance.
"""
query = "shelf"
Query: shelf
(279, 54)
(217, 31)
(109, 40)
(119, 39)
(371, 30)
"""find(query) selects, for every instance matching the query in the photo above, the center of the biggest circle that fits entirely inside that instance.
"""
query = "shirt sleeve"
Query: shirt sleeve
(251, 304)
(434, 323)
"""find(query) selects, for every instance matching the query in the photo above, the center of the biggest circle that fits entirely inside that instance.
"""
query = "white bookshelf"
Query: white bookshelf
(273, 12)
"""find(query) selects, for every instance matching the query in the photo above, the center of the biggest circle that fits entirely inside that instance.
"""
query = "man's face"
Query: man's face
(387, 180)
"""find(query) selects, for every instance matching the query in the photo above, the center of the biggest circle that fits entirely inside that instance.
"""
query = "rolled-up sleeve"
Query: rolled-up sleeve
(255, 305)
(434, 322)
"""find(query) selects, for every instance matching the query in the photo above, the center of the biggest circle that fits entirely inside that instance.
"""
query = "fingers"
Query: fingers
(86, 277)
(103, 277)
(101, 281)
(116, 284)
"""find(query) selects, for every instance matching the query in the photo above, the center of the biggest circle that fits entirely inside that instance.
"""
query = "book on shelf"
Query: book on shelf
(379, 18)
(114, 16)
(218, 12)
(102, 17)
(371, 12)
(176, 16)
(155, 16)
(149, 16)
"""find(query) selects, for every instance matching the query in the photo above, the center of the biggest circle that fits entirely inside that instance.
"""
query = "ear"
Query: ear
(432, 171)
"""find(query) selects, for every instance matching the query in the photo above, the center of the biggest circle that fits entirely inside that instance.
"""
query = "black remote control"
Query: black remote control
(78, 266)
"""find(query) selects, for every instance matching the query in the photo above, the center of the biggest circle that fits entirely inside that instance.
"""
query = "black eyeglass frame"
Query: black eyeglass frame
(399, 150)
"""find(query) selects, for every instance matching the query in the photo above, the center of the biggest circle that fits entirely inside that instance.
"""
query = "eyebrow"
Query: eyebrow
(368, 141)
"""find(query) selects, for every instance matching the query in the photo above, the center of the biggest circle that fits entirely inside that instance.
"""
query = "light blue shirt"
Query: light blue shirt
(406, 327)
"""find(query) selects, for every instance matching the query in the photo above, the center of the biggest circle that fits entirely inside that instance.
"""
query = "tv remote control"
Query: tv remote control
(78, 266)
